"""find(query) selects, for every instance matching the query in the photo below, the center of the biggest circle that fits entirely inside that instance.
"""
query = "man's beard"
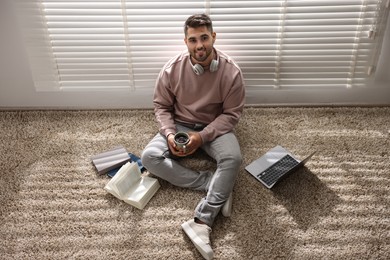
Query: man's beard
(204, 57)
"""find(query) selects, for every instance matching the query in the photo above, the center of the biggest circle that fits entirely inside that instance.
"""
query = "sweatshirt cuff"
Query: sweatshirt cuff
(203, 135)
(169, 131)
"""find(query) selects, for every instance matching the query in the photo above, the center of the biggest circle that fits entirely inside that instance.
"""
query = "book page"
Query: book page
(126, 179)
(141, 193)
(138, 191)
(114, 192)
(111, 185)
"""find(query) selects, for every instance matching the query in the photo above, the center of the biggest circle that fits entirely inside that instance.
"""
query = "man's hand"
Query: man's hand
(193, 145)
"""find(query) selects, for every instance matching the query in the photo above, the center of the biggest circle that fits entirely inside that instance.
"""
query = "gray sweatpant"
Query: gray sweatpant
(224, 149)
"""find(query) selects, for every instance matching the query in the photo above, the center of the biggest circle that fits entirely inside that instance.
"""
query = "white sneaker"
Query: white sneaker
(200, 236)
(227, 207)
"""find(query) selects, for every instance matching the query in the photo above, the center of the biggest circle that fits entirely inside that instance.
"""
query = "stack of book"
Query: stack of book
(111, 161)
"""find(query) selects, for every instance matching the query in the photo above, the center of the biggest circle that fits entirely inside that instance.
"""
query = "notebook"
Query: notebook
(273, 166)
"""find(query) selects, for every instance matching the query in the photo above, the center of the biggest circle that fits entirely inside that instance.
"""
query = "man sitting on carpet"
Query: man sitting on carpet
(201, 92)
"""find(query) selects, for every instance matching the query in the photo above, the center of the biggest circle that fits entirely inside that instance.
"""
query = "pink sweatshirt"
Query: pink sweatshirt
(215, 99)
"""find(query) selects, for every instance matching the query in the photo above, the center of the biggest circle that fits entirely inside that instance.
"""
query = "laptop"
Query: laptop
(273, 166)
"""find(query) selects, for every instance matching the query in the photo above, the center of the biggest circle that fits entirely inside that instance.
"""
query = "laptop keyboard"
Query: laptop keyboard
(277, 170)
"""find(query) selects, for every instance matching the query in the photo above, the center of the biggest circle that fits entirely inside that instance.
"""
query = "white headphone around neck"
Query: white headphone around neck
(199, 70)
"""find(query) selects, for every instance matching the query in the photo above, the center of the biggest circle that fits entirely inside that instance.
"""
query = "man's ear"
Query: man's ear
(214, 35)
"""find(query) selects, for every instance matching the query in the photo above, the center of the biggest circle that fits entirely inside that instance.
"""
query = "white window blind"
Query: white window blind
(114, 44)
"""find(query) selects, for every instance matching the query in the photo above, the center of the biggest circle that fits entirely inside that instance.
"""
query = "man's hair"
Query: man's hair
(198, 20)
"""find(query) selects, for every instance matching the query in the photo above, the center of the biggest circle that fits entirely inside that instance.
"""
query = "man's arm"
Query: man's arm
(231, 112)
(163, 101)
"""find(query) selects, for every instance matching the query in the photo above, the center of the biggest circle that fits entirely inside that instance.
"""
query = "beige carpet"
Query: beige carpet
(53, 205)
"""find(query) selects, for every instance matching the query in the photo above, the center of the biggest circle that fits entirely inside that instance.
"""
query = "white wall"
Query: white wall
(17, 89)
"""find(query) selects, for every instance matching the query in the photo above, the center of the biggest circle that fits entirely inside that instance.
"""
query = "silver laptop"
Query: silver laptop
(273, 166)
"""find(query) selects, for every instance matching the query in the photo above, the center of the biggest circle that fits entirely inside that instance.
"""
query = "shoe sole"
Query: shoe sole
(207, 254)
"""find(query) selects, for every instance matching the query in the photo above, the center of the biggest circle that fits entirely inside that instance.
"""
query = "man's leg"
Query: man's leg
(155, 158)
(226, 151)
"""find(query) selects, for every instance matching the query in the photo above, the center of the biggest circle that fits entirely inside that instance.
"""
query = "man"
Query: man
(201, 92)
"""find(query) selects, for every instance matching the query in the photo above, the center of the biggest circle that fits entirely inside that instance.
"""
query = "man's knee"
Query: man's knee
(150, 157)
(233, 160)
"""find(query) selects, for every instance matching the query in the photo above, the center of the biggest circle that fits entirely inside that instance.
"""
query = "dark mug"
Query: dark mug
(181, 140)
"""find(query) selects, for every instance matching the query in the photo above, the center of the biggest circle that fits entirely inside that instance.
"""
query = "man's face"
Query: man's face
(200, 43)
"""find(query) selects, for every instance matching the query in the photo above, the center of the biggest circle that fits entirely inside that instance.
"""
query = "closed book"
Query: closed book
(114, 158)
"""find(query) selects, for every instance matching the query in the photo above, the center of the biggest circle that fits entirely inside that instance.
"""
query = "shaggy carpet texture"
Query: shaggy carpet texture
(53, 205)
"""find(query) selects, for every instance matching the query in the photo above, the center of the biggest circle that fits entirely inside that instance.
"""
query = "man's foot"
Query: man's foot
(227, 207)
(200, 236)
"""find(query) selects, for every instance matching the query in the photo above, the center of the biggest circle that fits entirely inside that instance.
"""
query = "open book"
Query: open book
(130, 186)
